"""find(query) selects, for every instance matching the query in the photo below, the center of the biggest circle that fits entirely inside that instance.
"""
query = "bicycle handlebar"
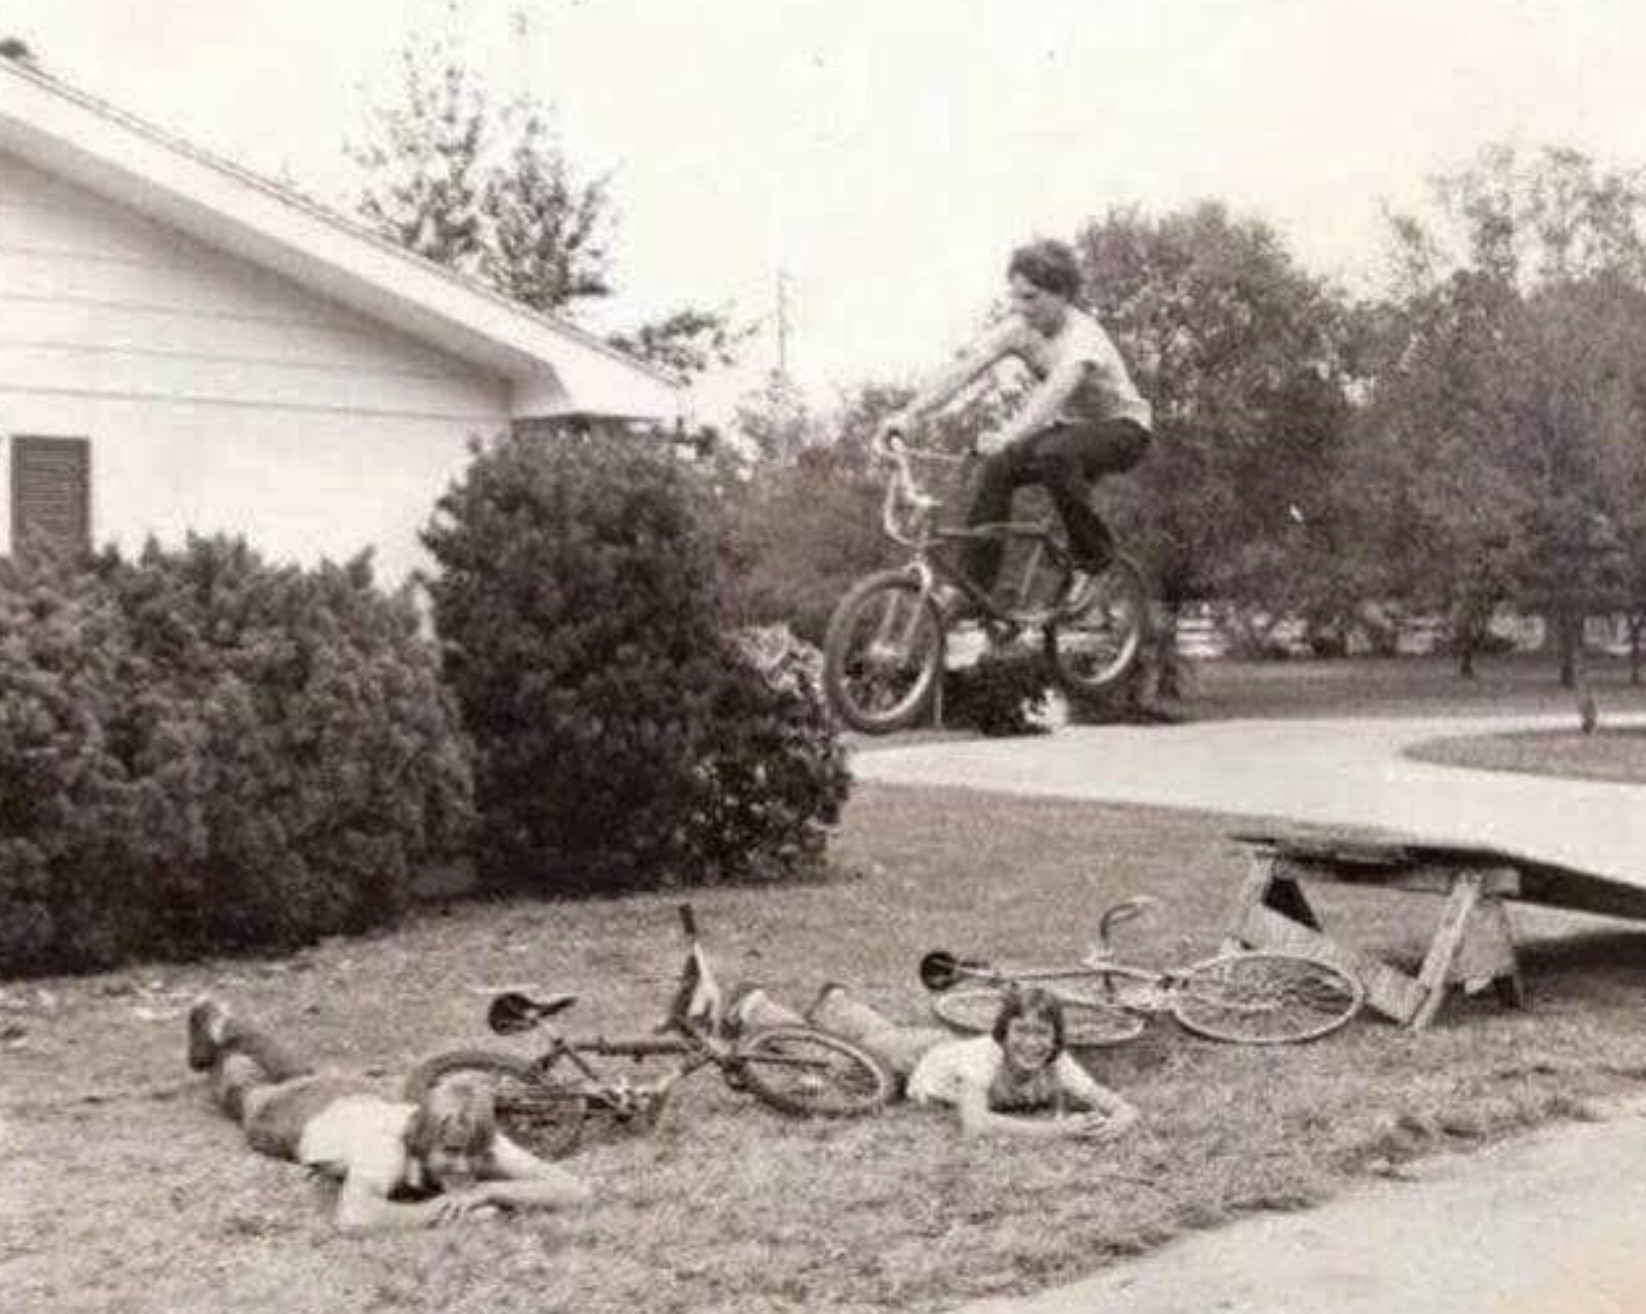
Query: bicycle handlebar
(903, 490)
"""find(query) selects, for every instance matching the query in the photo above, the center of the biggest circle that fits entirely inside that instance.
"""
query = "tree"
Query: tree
(488, 189)
(1242, 354)
(1509, 397)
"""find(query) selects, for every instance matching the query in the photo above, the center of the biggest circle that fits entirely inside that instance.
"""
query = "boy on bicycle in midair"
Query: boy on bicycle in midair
(1084, 418)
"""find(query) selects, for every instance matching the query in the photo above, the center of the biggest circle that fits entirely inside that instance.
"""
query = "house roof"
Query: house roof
(555, 368)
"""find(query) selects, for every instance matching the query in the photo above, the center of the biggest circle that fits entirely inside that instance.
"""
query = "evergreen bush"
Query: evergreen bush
(620, 735)
(1002, 693)
(200, 751)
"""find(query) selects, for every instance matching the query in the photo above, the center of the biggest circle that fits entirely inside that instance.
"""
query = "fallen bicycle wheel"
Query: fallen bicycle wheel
(810, 1074)
(1087, 1023)
(534, 1111)
(1265, 998)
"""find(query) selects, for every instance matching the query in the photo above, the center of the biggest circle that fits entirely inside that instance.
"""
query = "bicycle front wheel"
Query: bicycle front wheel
(1094, 645)
(1087, 1023)
(1265, 998)
(809, 1074)
(883, 654)
(541, 1114)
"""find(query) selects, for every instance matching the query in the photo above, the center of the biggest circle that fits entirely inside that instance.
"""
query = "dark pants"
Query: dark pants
(1065, 460)
(270, 1090)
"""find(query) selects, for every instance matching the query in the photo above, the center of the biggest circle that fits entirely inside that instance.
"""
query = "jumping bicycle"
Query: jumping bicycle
(542, 1102)
(1250, 997)
(885, 649)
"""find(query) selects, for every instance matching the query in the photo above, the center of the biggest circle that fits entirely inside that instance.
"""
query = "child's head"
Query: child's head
(1047, 265)
(451, 1133)
(1029, 1029)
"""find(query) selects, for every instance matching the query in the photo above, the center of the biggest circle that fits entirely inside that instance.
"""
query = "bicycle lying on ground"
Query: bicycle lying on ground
(542, 1102)
(1251, 997)
(886, 644)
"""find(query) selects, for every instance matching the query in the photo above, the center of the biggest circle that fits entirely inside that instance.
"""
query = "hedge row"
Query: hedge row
(201, 751)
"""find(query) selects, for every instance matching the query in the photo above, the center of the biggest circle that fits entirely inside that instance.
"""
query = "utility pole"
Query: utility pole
(783, 324)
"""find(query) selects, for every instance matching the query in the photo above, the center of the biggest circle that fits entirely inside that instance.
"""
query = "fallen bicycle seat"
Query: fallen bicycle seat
(513, 1012)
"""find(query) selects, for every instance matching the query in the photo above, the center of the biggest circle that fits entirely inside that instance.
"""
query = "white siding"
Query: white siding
(219, 396)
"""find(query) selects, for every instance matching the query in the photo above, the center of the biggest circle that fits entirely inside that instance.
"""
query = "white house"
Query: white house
(185, 346)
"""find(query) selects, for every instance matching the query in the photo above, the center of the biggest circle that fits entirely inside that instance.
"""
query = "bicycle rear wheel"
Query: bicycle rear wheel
(883, 654)
(539, 1113)
(1087, 1023)
(1263, 998)
(809, 1074)
(1094, 645)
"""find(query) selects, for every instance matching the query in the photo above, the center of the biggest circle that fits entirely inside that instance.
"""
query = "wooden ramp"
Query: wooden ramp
(1472, 941)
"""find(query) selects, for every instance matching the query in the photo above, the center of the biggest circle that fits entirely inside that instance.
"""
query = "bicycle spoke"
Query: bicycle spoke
(803, 1071)
(884, 649)
(1262, 998)
(1098, 635)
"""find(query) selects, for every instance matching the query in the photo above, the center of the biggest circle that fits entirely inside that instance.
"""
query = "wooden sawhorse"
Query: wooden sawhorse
(1472, 941)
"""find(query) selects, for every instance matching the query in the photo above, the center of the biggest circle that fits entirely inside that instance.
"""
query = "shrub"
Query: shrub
(773, 768)
(199, 751)
(619, 738)
(1000, 694)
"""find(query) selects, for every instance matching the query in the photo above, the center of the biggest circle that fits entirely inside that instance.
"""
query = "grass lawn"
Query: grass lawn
(124, 1193)
(1400, 686)
(1617, 754)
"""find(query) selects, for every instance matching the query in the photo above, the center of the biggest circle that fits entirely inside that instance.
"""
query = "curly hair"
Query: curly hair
(1049, 265)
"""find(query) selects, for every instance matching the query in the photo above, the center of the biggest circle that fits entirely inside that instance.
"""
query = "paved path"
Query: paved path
(1551, 1224)
(1348, 771)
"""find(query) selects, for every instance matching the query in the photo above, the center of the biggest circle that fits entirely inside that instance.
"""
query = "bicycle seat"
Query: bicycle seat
(513, 1012)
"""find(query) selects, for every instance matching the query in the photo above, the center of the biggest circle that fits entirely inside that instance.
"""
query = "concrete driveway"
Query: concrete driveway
(1343, 771)
(1549, 1223)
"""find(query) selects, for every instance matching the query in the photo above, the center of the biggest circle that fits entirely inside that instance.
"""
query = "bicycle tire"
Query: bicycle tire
(810, 1074)
(539, 1113)
(1087, 1023)
(1265, 998)
(1094, 648)
(853, 671)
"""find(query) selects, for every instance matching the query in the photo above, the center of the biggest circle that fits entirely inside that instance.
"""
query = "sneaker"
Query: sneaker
(208, 1023)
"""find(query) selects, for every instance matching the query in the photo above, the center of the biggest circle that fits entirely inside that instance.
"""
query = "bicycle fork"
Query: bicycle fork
(895, 634)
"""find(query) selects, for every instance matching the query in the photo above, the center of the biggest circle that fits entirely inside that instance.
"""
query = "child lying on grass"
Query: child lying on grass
(401, 1165)
(995, 1084)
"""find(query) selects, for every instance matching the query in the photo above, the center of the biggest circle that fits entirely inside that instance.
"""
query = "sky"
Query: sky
(885, 155)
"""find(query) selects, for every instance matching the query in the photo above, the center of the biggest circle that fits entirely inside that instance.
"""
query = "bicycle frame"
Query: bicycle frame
(906, 518)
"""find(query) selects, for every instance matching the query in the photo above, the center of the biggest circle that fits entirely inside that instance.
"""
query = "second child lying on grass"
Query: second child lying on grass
(1005, 1083)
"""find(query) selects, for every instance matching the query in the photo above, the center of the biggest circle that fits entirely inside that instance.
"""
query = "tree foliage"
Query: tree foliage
(1245, 358)
(620, 736)
(1507, 410)
(486, 187)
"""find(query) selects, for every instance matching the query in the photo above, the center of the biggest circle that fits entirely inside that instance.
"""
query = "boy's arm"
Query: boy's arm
(363, 1206)
(1114, 1114)
(519, 1179)
(1043, 406)
(996, 343)
(1106, 1114)
(978, 1119)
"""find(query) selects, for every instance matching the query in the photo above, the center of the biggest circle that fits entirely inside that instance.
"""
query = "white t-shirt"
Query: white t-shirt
(360, 1136)
(1106, 391)
(950, 1068)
